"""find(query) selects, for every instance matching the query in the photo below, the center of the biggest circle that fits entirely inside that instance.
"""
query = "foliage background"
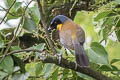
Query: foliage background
(31, 35)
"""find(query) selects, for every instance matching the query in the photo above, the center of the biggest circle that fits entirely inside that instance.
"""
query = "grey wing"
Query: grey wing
(80, 35)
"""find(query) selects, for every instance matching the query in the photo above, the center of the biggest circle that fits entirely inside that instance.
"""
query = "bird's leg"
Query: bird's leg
(75, 61)
(59, 57)
(76, 65)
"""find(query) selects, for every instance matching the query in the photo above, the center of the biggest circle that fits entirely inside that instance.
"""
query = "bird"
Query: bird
(72, 37)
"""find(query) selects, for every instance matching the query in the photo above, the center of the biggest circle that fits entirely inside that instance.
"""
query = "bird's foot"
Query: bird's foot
(76, 65)
(59, 57)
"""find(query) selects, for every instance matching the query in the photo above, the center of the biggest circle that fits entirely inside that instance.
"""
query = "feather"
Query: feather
(81, 57)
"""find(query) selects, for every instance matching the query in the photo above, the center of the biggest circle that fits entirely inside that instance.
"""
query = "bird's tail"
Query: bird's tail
(81, 57)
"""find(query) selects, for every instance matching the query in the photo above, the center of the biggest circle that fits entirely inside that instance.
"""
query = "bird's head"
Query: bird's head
(57, 22)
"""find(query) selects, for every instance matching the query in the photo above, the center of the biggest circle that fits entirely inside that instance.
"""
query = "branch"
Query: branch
(71, 65)
(8, 11)
(36, 76)
(4, 9)
(43, 20)
(24, 50)
(47, 58)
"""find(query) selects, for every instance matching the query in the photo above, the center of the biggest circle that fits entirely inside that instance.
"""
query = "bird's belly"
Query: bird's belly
(66, 39)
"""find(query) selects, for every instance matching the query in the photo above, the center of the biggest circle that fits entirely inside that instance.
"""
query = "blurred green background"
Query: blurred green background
(85, 20)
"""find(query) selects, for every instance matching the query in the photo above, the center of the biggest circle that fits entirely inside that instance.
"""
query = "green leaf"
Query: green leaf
(17, 6)
(117, 26)
(38, 68)
(83, 76)
(13, 48)
(108, 68)
(7, 64)
(2, 75)
(105, 68)
(61, 51)
(118, 23)
(104, 34)
(16, 11)
(20, 63)
(106, 28)
(40, 46)
(35, 69)
(118, 34)
(114, 68)
(2, 44)
(75, 76)
(102, 15)
(98, 54)
(29, 25)
(55, 74)
(114, 61)
(65, 73)
(19, 76)
(9, 3)
(11, 17)
(35, 14)
(47, 70)
(30, 67)
(108, 23)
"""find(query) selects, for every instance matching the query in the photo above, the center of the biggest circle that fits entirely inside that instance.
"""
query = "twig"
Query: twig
(36, 76)
(70, 11)
(23, 50)
(45, 27)
(8, 11)
(108, 34)
(7, 49)
(14, 37)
